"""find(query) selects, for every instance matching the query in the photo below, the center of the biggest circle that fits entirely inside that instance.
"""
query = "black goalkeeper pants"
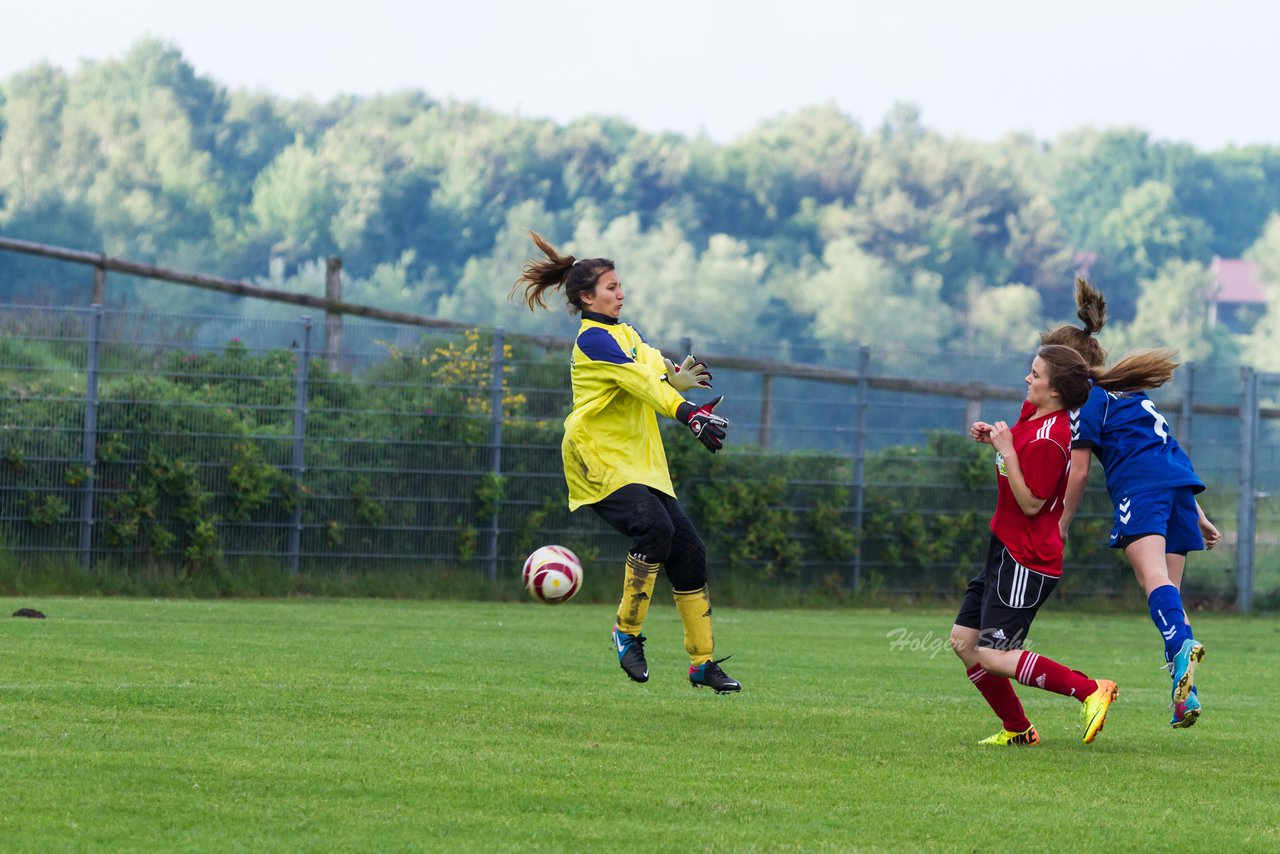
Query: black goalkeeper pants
(659, 532)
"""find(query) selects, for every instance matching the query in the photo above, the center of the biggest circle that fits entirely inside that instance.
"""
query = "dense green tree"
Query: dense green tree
(483, 293)
(932, 204)
(1228, 190)
(1144, 232)
(1266, 251)
(644, 177)
(1262, 346)
(805, 226)
(1172, 311)
(816, 153)
(32, 108)
(1003, 320)
(657, 270)
(856, 298)
(1095, 170)
(253, 132)
(1036, 253)
(136, 143)
(295, 200)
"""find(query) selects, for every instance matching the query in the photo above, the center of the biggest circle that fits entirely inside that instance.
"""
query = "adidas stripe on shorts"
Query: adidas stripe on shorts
(1003, 599)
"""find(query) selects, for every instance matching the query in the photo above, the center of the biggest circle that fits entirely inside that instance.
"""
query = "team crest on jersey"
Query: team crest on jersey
(1000, 464)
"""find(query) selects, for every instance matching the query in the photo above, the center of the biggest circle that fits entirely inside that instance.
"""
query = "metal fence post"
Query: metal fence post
(90, 438)
(495, 445)
(859, 463)
(1245, 514)
(298, 463)
(1188, 408)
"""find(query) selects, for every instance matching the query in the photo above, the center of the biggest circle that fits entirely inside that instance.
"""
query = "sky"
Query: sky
(1183, 71)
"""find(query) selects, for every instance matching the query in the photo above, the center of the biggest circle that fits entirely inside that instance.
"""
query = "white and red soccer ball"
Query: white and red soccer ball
(552, 574)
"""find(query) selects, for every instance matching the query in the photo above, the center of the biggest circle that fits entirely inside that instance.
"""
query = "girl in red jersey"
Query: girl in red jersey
(1024, 560)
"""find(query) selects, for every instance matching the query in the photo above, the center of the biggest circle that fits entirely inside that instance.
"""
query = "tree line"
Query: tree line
(808, 228)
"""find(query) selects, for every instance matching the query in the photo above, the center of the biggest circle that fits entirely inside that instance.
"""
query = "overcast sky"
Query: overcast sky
(1197, 72)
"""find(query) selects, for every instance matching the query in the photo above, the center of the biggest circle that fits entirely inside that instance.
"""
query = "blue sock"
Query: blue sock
(1166, 612)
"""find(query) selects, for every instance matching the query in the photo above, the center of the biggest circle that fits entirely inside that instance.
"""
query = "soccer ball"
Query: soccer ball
(552, 574)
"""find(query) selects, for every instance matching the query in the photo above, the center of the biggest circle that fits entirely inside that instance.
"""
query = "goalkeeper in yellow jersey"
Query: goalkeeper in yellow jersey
(614, 462)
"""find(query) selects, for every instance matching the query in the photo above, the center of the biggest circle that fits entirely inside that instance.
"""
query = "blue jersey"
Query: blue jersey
(1132, 441)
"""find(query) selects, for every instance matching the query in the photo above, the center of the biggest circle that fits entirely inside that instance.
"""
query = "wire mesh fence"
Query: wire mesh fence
(130, 438)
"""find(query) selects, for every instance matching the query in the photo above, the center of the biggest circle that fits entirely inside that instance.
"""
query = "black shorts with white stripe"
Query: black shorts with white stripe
(1003, 599)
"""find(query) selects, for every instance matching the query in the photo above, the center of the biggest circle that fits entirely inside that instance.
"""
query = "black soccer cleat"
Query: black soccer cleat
(709, 674)
(631, 659)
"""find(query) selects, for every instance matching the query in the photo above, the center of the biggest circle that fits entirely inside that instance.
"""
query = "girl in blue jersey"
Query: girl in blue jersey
(614, 461)
(1152, 485)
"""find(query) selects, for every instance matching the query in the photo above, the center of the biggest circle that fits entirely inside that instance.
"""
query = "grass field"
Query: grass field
(376, 725)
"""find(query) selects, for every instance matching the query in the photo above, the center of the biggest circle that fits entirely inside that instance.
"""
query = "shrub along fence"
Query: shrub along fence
(131, 440)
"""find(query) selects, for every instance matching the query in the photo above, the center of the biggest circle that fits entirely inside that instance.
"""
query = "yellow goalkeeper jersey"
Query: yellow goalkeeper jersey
(611, 437)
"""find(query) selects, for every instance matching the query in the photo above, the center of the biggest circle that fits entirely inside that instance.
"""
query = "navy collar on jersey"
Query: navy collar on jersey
(599, 318)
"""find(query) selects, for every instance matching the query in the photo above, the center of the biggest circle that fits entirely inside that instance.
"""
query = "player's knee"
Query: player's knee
(997, 661)
(653, 540)
(964, 643)
(687, 564)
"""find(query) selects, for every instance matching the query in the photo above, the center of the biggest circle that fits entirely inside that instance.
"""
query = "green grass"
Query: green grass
(298, 725)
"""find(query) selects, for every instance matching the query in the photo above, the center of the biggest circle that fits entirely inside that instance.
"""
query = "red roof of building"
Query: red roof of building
(1238, 281)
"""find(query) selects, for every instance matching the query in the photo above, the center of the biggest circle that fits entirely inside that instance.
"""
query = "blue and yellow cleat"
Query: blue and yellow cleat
(630, 649)
(1186, 714)
(1184, 669)
(1006, 738)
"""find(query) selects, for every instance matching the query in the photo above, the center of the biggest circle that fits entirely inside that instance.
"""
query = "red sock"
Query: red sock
(999, 694)
(1040, 672)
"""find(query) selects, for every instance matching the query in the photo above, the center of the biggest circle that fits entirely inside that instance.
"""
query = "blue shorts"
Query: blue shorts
(1170, 513)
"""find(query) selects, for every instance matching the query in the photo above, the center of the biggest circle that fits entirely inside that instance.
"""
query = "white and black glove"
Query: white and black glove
(688, 374)
(704, 423)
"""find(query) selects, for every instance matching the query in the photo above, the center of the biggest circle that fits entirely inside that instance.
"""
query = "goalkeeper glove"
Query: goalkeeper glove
(688, 374)
(704, 423)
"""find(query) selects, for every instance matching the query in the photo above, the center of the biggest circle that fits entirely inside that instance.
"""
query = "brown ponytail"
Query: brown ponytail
(1138, 371)
(576, 277)
(1091, 308)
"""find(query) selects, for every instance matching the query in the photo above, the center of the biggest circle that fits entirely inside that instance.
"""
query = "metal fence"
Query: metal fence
(129, 437)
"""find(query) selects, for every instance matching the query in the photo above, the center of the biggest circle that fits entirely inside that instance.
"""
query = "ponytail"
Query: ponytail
(1138, 371)
(558, 271)
(1091, 308)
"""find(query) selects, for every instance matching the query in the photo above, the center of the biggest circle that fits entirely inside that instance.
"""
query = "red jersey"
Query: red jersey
(1043, 446)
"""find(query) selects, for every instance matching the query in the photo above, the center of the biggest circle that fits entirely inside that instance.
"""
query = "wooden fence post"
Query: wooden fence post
(332, 319)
